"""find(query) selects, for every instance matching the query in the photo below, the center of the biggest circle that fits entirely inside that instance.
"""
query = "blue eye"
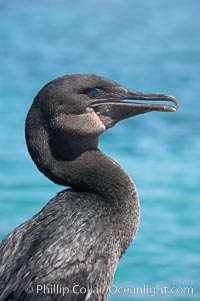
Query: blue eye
(94, 92)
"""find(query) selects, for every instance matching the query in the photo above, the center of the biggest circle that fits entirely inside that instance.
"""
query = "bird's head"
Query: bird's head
(69, 113)
(90, 104)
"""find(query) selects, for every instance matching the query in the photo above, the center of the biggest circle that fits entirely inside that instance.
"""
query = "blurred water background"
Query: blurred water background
(152, 46)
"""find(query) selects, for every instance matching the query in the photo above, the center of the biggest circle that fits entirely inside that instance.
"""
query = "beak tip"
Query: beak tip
(174, 100)
(173, 109)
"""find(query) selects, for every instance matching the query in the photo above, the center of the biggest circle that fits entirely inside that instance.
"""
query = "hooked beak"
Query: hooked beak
(112, 111)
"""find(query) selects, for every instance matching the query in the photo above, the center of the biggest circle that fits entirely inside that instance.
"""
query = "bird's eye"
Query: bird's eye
(94, 92)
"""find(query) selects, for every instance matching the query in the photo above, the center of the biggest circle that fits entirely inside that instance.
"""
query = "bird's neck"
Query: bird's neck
(79, 164)
(94, 172)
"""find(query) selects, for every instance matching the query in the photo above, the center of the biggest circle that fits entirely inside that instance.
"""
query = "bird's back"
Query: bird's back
(78, 254)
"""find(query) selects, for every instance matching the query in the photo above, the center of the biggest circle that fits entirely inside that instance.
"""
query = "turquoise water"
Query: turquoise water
(146, 45)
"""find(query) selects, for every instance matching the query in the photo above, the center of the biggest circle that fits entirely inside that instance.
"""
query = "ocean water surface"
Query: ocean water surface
(151, 46)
